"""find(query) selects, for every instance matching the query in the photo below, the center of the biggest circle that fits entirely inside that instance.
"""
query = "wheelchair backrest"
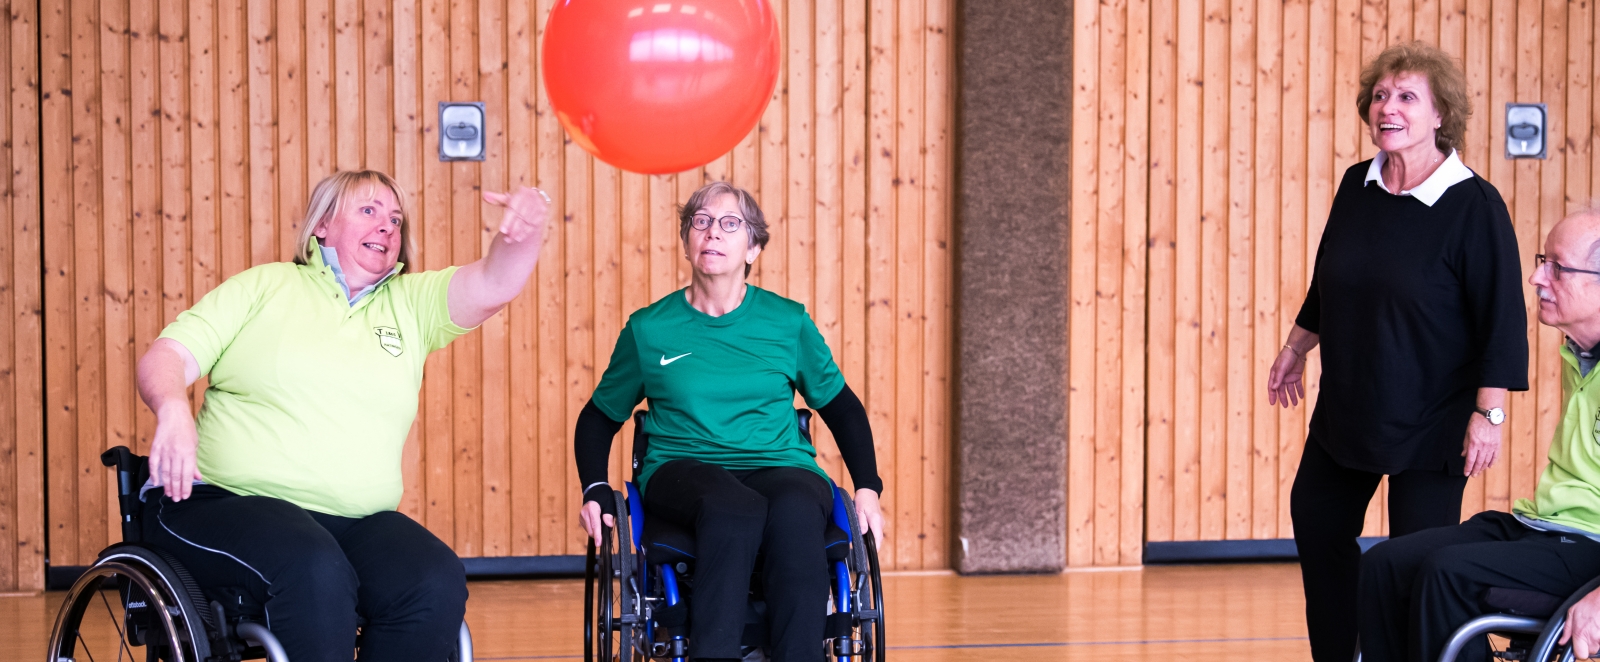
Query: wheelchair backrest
(641, 441)
(131, 473)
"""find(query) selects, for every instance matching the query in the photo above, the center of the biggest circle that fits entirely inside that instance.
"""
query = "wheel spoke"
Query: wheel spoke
(122, 640)
(85, 646)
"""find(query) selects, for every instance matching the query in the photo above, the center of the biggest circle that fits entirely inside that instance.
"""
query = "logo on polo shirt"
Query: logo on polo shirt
(388, 339)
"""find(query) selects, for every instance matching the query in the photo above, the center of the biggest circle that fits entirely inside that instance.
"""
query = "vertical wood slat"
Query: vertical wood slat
(23, 411)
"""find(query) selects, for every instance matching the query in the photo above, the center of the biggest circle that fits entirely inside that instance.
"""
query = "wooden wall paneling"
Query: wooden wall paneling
(1160, 369)
(825, 211)
(116, 219)
(1594, 104)
(1552, 207)
(938, 312)
(1579, 138)
(1527, 27)
(1213, 248)
(88, 304)
(1186, 275)
(1107, 310)
(26, 298)
(11, 531)
(494, 458)
(466, 243)
(210, 121)
(438, 432)
(1424, 22)
(410, 149)
(56, 176)
(1240, 252)
(1135, 165)
(1295, 115)
(880, 241)
(1081, 369)
(1265, 311)
(908, 279)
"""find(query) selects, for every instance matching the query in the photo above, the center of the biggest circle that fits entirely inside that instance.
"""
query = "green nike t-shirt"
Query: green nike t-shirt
(721, 389)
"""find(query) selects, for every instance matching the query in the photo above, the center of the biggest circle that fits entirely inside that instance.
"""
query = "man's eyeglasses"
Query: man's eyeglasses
(729, 223)
(1556, 268)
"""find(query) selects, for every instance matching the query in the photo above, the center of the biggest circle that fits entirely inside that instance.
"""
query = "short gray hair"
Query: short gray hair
(753, 218)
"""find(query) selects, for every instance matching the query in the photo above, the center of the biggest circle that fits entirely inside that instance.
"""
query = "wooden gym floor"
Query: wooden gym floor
(1156, 613)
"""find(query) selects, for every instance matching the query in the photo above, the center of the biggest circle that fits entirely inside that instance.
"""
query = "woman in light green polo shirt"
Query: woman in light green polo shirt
(285, 488)
(720, 362)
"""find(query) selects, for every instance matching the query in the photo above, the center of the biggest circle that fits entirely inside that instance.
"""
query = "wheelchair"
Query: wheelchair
(157, 607)
(1530, 621)
(634, 581)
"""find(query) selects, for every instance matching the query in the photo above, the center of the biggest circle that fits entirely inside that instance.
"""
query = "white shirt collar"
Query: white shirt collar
(1449, 173)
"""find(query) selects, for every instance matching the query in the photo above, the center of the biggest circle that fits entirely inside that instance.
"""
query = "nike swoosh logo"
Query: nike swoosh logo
(665, 360)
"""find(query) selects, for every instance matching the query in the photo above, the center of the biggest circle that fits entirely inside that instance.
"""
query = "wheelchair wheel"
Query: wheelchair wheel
(131, 604)
(868, 596)
(611, 605)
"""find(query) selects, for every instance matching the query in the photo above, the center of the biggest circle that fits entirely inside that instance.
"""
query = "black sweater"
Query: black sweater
(1417, 308)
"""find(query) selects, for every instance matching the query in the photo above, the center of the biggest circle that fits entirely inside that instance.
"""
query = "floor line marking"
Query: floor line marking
(1036, 644)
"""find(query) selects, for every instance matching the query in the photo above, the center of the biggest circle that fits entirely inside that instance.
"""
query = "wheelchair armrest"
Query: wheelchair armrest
(131, 474)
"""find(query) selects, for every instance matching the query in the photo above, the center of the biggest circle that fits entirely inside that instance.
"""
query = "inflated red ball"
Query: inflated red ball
(660, 86)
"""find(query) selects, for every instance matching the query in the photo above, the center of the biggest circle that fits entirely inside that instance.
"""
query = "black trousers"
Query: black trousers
(314, 573)
(1416, 590)
(781, 512)
(1328, 505)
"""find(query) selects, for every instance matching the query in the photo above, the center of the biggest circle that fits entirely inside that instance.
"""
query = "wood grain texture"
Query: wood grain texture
(1251, 122)
(180, 139)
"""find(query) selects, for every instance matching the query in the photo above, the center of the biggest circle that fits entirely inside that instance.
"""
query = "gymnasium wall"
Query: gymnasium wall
(180, 140)
(21, 357)
(1208, 139)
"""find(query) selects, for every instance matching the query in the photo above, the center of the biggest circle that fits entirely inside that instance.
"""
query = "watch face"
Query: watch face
(1497, 416)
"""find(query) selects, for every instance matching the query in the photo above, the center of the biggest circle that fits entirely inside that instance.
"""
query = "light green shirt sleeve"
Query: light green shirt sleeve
(817, 377)
(428, 295)
(210, 325)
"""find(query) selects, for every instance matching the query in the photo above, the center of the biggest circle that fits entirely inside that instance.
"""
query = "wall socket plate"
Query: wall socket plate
(461, 130)
(1527, 131)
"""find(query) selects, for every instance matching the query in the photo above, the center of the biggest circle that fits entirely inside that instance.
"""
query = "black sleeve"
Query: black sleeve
(591, 447)
(847, 419)
(1492, 280)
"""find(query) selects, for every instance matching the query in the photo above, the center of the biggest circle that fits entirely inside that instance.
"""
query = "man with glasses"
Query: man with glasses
(1417, 589)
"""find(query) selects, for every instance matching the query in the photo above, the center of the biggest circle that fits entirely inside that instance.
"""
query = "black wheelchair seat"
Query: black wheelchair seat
(667, 543)
(1521, 602)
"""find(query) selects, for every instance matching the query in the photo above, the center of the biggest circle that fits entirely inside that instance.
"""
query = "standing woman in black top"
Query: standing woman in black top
(1416, 299)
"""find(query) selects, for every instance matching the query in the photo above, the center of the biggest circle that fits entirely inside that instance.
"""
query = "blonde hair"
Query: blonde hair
(328, 198)
(1445, 81)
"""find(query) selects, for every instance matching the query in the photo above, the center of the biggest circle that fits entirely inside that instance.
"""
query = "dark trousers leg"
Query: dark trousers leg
(413, 588)
(1388, 578)
(272, 551)
(1328, 504)
(728, 520)
(795, 572)
(1421, 500)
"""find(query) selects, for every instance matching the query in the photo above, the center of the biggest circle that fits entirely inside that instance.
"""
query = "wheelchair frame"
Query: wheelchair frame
(623, 611)
(1543, 648)
(174, 609)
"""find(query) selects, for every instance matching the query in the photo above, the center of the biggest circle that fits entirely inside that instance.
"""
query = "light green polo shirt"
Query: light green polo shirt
(1569, 490)
(721, 389)
(311, 398)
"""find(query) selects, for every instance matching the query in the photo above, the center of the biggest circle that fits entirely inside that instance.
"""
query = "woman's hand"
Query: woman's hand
(172, 452)
(869, 514)
(526, 216)
(1284, 387)
(1482, 445)
(1582, 627)
(591, 517)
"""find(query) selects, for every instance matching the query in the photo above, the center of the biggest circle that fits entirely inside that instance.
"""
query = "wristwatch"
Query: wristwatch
(1496, 416)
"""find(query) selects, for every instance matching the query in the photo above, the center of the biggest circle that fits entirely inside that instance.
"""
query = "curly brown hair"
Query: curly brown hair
(1445, 80)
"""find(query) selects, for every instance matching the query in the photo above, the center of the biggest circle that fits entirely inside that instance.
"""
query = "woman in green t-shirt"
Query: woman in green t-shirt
(720, 362)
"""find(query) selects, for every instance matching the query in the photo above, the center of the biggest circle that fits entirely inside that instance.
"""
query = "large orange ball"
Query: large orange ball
(660, 86)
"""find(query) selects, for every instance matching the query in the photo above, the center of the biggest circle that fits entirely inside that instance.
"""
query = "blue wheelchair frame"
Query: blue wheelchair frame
(855, 583)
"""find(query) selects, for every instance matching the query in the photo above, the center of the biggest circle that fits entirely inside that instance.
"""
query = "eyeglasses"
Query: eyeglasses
(729, 223)
(1556, 268)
